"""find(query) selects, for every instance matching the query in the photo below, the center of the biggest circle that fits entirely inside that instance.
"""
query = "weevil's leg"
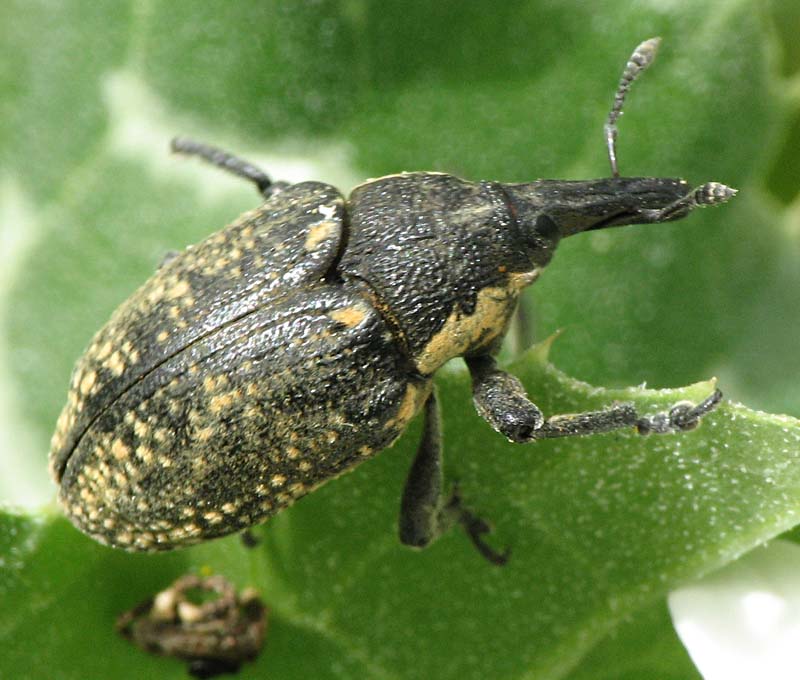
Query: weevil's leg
(227, 161)
(421, 510)
(425, 512)
(501, 400)
(642, 57)
(683, 416)
(249, 539)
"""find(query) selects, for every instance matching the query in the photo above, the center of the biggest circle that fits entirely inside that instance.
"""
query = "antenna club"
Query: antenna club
(713, 193)
(645, 52)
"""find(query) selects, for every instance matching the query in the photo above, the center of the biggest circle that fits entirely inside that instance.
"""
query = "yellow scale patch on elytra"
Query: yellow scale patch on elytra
(253, 412)
(204, 434)
(141, 428)
(88, 382)
(104, 351)
(214, 383)
(119, 450)
(115, 364)
(349, 316)
(162, 435)
(178, 289)
(145, 454)
(297, 489)
(223, 402)
(319, 232)
(156, 293)
(66, 421)
(124, 538)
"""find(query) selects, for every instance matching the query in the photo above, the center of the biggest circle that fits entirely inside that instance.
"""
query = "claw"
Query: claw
(681, 417)
(475, 528)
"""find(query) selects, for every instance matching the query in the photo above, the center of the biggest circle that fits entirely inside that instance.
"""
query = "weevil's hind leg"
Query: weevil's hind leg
(500, 399)
(230, 163)
(425, 512)
(476, 527)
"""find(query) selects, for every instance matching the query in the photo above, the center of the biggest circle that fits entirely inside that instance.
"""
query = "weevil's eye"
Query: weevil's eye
(546, 227)
(541, 239)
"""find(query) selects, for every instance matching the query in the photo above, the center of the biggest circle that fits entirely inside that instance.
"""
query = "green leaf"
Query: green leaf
(645, 646)
(600, 528)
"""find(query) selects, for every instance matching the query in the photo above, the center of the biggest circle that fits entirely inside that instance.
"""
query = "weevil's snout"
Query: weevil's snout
(650, 200)
(630, 200)
(571, 207)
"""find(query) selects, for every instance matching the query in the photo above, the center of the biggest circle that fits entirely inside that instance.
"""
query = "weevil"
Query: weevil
(302, 339)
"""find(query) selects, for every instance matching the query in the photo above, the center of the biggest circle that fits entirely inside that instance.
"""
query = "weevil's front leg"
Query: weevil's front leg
(500, 399)
(683, 416)
(230, 163)
(425, 512)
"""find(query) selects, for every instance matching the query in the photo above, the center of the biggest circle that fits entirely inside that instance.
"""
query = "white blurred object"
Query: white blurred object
(23, 475)
(743, 621)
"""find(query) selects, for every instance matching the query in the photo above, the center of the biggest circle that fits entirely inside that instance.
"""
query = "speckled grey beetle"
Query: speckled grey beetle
(302, 339)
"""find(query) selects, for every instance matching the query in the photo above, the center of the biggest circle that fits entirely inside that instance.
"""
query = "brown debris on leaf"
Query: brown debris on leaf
(202, 621)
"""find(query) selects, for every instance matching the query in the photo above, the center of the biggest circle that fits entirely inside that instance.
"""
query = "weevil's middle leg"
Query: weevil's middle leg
(230, 163)
(425, 512)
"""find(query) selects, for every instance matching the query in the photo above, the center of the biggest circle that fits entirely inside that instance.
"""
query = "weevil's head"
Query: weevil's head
(549, 210)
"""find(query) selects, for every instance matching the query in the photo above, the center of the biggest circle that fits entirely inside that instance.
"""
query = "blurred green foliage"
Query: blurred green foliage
(601, 528)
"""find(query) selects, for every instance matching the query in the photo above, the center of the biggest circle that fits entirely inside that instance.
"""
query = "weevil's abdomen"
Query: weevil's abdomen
(242, 423)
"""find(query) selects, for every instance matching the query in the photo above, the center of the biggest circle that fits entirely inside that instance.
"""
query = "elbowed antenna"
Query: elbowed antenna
(642, 57)
(584, 205)
(710, 193)
(571, 207)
